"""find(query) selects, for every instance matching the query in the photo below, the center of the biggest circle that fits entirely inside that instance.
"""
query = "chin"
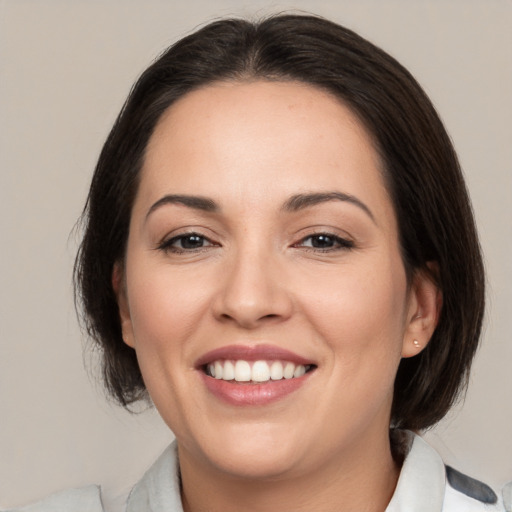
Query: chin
(257, 452)
(256, 465)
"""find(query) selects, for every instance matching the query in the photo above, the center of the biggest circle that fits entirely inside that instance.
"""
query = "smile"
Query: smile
(255, 371)
(253, 375)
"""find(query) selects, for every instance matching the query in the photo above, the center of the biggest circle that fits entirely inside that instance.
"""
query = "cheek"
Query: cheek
(166, 311)
(357, 314)
(360, 314)
(163, 306)
(165, 314)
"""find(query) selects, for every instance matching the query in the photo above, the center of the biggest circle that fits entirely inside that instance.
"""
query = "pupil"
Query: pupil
(192, 242)
(322, 241)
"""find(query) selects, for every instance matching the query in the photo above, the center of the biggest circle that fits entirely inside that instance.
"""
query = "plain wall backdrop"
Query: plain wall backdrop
(66, 68)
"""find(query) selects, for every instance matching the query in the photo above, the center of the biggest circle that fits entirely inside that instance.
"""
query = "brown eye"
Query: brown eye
(325, 242)
(185, 242)
(322, 241)
(190, 242)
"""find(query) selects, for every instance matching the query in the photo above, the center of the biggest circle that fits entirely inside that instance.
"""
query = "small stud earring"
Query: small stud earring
(416, 343)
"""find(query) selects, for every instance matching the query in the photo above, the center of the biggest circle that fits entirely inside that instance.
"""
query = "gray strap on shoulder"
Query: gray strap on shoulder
(470, 487)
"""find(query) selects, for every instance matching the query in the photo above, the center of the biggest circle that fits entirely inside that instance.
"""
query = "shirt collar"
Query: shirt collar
(420, 487)
(422, 481)
(159, 488)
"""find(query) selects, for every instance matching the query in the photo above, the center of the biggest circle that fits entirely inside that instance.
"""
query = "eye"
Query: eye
(325, 242)
(186, 242)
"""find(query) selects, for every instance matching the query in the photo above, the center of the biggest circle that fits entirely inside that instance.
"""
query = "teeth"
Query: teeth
(229, 371)
(242, 371)
(289, 370)
(257, 371)
(218, 370)
(276, 370)
(260, 372)
(299, 371)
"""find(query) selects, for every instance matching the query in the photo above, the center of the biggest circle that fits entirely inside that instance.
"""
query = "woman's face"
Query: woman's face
(263, 244)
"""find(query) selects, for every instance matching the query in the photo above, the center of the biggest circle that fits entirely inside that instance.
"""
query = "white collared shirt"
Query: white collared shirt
(425, 485)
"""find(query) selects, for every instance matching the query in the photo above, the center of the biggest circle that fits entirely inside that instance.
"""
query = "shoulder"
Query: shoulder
(465, 491)
(427, 485)
(159, 488)
(85, 499)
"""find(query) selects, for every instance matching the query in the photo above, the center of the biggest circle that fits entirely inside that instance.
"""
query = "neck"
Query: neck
(361, 479)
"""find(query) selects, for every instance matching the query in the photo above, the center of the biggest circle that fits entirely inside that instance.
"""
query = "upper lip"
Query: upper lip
(251, 353)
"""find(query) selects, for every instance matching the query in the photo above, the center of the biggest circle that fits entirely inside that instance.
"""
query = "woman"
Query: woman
(280, 254)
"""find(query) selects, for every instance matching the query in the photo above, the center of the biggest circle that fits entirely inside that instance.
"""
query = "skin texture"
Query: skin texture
(257, 280)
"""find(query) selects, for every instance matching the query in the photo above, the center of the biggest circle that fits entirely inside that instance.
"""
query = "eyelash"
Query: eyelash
(339, 243)
(167, 245)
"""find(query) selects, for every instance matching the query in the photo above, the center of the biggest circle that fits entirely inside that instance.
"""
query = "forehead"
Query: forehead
(260, 141)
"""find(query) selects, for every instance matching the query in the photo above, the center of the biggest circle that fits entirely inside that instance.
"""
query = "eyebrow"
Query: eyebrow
(302, 201)
(196, 202)
(293, 204)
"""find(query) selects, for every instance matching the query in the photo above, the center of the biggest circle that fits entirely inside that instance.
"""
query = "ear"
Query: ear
(425, 303)
(119, 286)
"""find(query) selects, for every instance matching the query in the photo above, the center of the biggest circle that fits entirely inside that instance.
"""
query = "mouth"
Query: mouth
(255, 372)
(253, 375)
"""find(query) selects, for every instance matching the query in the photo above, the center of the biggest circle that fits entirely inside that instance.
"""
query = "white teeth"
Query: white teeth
(299, 371)
(276, 370)
(242, 371)
(258, 371)
(288, 371)
(229, 371)
(218, 370)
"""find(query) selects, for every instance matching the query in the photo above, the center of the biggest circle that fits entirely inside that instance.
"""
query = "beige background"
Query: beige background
(66, 67)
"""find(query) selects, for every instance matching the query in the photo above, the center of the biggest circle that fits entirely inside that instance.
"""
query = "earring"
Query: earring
(416, 343)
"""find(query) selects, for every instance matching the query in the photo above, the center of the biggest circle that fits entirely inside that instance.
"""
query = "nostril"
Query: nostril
(249, 319)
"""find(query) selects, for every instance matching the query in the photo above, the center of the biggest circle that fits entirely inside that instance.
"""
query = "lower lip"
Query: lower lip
(243, 393)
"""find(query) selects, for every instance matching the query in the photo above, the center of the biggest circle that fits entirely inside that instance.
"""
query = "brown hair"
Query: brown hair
(420, 167)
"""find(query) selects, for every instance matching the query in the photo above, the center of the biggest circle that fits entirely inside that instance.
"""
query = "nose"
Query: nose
(253, 291)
